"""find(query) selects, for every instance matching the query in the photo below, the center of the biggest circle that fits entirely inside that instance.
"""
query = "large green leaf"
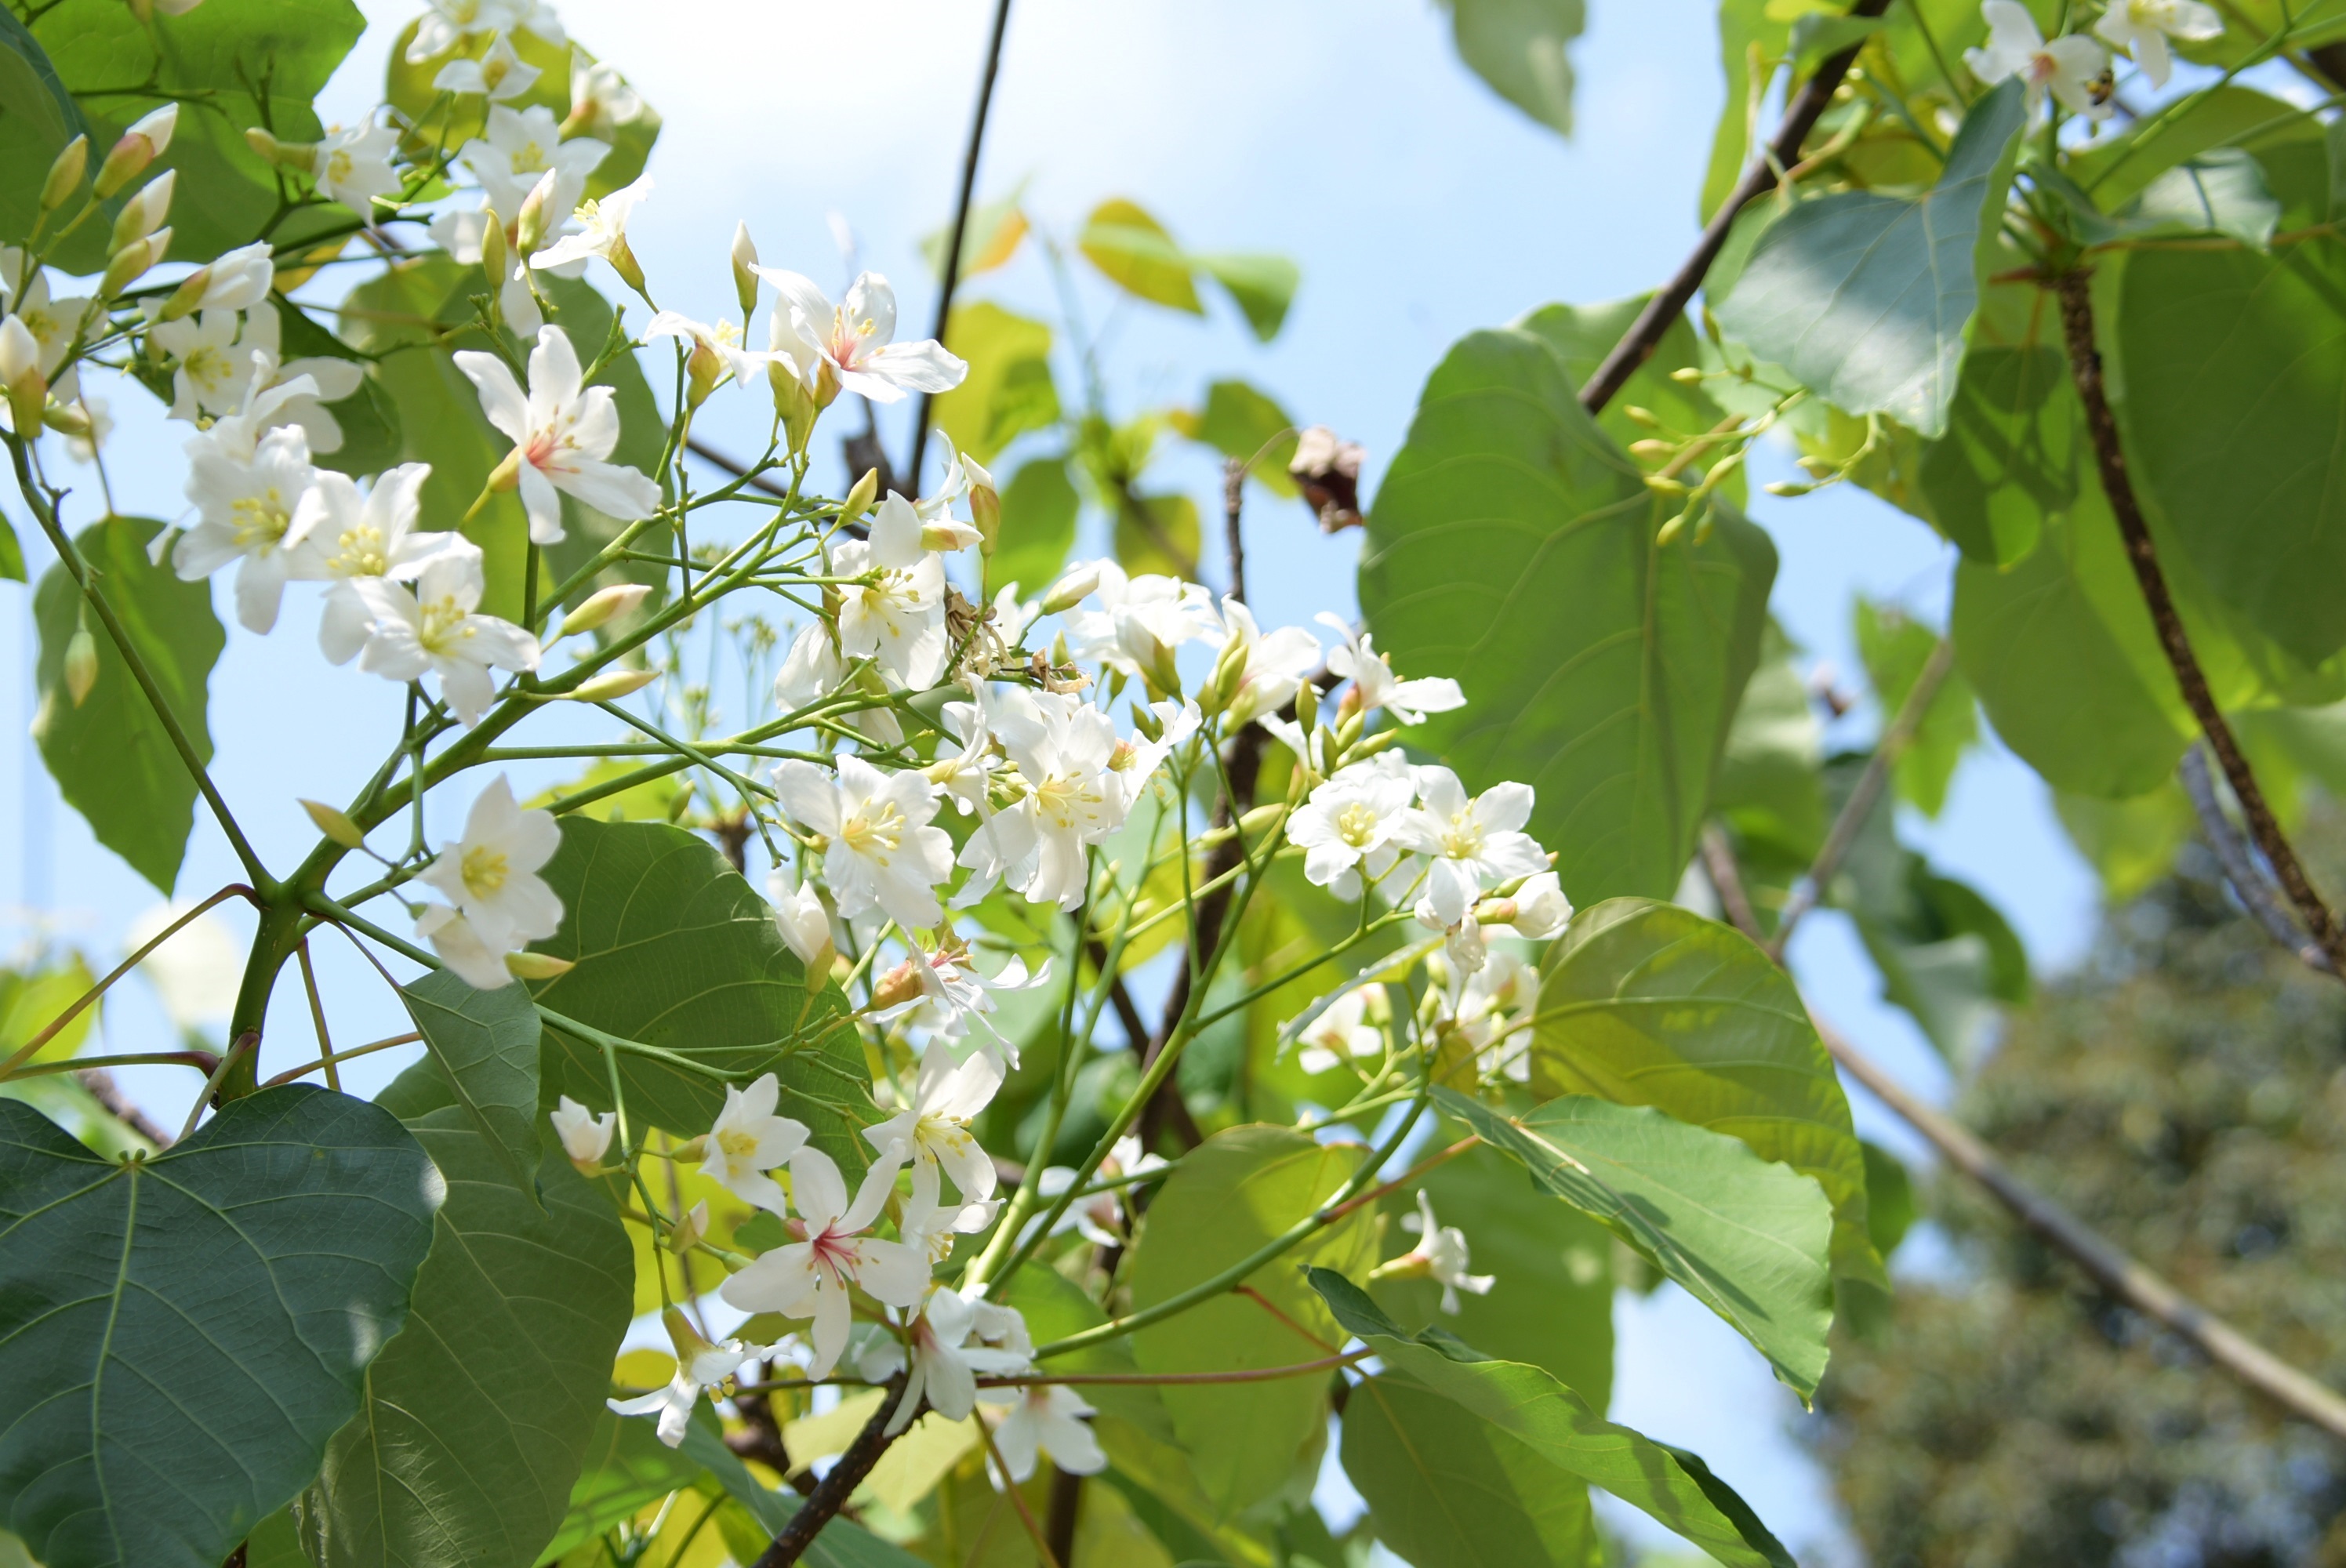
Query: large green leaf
(181, 1335)
(475, 1421)
(1867, 298)
(2009, 459)
(1553, 1307)
(1646, 1003)
(229, 65)
(1261, 286)
(1138, 256)
(486, 1044)
(1449, 1490)
(2235, 368)
(37, 118)
(1008, 390)
(1519, 47)
(1582, 335)
(1768, 790)
(2117, 168)
(1749, 1238)
(1512, 548)
(1527, 1404)
(1039, 507)
(673, 949)
(1895, 648)
(1228, 1196)
(111, 756)
(1241, 420)
(1945, 954)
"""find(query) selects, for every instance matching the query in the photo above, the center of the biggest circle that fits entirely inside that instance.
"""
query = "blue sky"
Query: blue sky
(1345, 136)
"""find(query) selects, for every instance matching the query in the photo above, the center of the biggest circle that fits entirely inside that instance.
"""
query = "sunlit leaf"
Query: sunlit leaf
(1008, 390)
(1138, 256)
(1521, 48)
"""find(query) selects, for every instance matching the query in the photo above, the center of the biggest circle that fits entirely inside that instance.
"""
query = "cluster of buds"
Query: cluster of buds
(140, 238)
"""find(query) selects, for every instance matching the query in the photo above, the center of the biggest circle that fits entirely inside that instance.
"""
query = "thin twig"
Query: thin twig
(1858, 807)
(328, 1061)
(961, 223)
(1018, 1499)
(103, 1089)
(2256, 892)
(2085, 369)
(24, 1052)
(1234, 474)
(734, 466)
(831, 1492)
(2106, 1265)
(1669, 303)
(1726, 880)
(1162, 1380)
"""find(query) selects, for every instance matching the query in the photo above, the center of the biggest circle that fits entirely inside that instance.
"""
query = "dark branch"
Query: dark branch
(831, 1492)
(1760, 177)
(1059, 1522)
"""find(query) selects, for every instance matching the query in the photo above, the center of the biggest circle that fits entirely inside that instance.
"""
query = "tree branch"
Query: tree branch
(960, 224)
(2086, 367)
(831, 1492)
(1784, 150)
(2256, 892)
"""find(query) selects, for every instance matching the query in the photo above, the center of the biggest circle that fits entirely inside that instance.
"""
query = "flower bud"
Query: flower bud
(141, 145)
(1643, 418)
(860, 498)
(67, 419)
(690, 1229)
(530, 228)
(66, 174)
(301, 157)
(745, 270)
(527, 965)
(1261, 820)
(603, 605)
(612, 685)
(81, 665)
(144, 213)
(794, 403)
(492, 250)
(1687, 376)
(185, 299)
(20, 376)
(897, 986)
(692, 1151)
(507, 475)
(1307, 707)
(985, 504)
(1223, 684)
(1649, 447)
(1071, 591)
(132, 262)
(335, 825)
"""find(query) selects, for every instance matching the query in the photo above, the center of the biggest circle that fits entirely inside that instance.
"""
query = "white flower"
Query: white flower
(2141, 28)
(966, 776)
(798, 916)
(353, 165)
(519, 147)
(491, 873)
(248, 510)
(851, 344)
(933, 1132)
(498, 75)
(1476, 843)
(604, 233)
(954, 1339)
(1048, 1417)
(933, 1226)
(1135, 760)
(810, 1278)
(600, 99)
(811, 670)
(1275, 666)
(53, 324)
(1371, 673)
(345, 536)
(748, 1140)
(2069, 67)
(1062, 747)
(239, 279)
(1541, 908)
(1356, 819)
(585, 1136)
(1099, 1217)
(716, 355)
(880, 851)
(330, 380)
(1442, 1256)
(449, 23)
(899, 617)
(563, 432)
(209, 375)
(1483, 1007)
(1140, 621)
(461, 948)
(434, 629)
(698, 1365)
(1342, 1033)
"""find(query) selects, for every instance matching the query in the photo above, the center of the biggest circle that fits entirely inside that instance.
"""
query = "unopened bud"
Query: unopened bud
(144, 213)
(1644, 418)
(141, 145)
(81, 665)
(794, 405)
(1145, 721)
(1786, 487)
(1223, 684)
(1374, 744)
(336, 824)
(613, 685)
(859, 500)
(132, 262)
(1071, 591)
(1649, 447)
(527, 965)
(1687, 376)
(1259, 820)
(65, 174)
(187, 296)
(691, 1150)
(492, 250)
(690, 1229)
(507, 475)
(1663, 485)
(985, 506)
(301, 157)
(530, 228)
(20, 375)
(67, 419)
(603, 605)
(1348, 731)
(745, 270)
(897, 986)
(1306, 706)
(1163, 675)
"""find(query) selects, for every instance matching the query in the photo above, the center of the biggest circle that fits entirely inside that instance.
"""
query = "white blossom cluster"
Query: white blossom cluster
(2076, 70)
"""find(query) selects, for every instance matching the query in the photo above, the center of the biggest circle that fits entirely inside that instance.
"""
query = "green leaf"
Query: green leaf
(1582, 335)
(1944, 954)
(1008, 390)
(673, 951)
(2119, 168)
(37, 117)
(1158, 534)
(1519, 49)
(486, 1044)
(1895, 649)
(1039, 507)
(1448, 1490)
(1741, 23)
(1513, 548)
(625, 1467)
(1867, 298)
(2130, 843)
(368, 419)
(1228, 1196)
(31, 1000)
(2221, 191)
(991, 238)
(1650, 1005)
(1889, 1208)
(1525, 1403)
(1243, 421)
(1262, 287)
(205, 1314)
(1817, 36)
(1138, 256)
(111, 756)
(2010, 457)
(1555, 1308)
(229, 65)
(12, 554)
(1769, 787)
(2235, 375)
(1749, 1238)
